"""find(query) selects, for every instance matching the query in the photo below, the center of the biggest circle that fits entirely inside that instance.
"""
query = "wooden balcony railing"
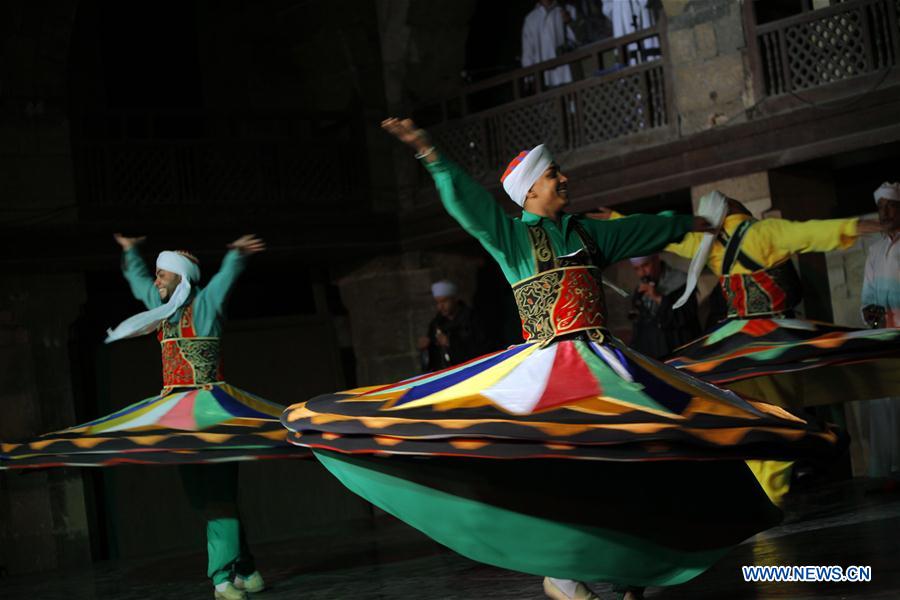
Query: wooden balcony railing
(182, 158)
(489, 122)
(815, 48)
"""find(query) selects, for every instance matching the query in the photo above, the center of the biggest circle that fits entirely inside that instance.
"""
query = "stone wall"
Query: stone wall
(710, 69)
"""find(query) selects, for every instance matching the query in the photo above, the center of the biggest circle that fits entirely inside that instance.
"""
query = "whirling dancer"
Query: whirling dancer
(197, 418)
(760, 349)
(604, 485)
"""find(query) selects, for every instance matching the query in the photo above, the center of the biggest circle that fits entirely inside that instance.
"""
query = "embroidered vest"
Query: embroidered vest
(566, 294)
(187, 359)
(764, 291)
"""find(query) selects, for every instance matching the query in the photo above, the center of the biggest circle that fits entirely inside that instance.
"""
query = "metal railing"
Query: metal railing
(824, 46)
(487, 123)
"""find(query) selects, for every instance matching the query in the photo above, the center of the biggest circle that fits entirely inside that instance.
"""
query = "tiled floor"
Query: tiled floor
(840, 525)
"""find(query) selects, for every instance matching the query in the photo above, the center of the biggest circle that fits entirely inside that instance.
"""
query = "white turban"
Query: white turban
(524, 170)
(147, 321)
(443, 289)
(713, 207)
(888, 191)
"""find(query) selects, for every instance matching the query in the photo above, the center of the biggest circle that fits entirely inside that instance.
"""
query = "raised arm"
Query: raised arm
(686, 247)
(211, 299)
(136, 273)
(639, 235)
(473, 207)
(796, 237)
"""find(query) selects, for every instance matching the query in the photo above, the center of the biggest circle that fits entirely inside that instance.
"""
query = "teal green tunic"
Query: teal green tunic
(209, 302)
(506, 238)
(210, 488)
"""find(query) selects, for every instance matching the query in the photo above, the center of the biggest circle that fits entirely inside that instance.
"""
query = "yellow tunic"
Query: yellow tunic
(770, 242)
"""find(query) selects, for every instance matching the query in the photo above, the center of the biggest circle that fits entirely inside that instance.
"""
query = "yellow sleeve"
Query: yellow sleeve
(686, 248)
(784, 238)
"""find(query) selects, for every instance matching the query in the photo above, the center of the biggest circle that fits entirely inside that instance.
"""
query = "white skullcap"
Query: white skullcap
(147, 321)
(443, 289)
(524, 170)
(639, 260)
(888, 191)
(713, 207)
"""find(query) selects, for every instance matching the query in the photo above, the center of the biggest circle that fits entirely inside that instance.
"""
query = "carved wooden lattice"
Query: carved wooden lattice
(826, 50)
(614, 109)
(228, 175)
(312, 175)
(143, 175)
(527, 126)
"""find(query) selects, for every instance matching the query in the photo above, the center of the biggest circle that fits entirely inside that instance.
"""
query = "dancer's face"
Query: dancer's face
(166, 282)
(549, 194)
(889, 213)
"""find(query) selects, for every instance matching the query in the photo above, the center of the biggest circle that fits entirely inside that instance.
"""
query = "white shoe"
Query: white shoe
(253, 583)
(231, 593)
(582, 592)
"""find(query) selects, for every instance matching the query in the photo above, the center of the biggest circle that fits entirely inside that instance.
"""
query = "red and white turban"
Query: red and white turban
(145, 322)
(524, 170)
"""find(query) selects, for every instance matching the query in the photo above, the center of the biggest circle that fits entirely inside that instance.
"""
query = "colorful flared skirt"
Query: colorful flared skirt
(781, 360)
(215, 423)
(654, 489)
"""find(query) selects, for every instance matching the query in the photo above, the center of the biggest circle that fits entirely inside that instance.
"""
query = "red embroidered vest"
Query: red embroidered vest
(188, 360)
(762, 292)
(565, 296)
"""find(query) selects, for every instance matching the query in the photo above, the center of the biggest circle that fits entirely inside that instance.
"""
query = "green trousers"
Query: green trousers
(212, 489)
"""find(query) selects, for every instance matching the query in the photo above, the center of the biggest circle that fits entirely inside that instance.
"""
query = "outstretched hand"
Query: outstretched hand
(128, 242)
(248, 244)
(414, 137)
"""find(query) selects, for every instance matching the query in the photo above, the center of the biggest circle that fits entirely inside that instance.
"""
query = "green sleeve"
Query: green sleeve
(209, 305)
(139, 278)
(637, 235)
(475, 209)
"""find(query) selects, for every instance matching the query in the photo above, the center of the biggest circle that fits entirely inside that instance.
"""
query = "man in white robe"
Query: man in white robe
(881, 308)
(546, 34)
(628, 16)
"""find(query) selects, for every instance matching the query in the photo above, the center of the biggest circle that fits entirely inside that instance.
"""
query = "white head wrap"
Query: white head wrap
(713, 207)
(147, 321)
(443, 289)
(889, 191)
(524, 170)
(639, 260)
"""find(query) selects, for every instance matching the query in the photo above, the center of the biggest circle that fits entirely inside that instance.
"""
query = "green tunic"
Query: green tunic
(533, 542)
(506, 238)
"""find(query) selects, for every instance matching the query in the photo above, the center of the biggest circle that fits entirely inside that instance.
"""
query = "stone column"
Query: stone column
(45, 524)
